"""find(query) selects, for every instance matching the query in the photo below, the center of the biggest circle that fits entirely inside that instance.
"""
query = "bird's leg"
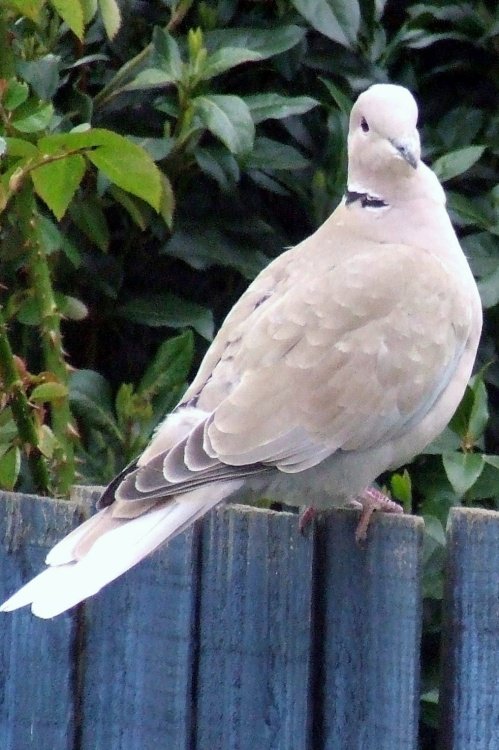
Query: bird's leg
(306, 516)
(370, 500)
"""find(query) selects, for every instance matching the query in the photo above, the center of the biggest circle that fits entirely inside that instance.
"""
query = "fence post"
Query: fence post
(368, 634)
(470, 656)
(37, 670)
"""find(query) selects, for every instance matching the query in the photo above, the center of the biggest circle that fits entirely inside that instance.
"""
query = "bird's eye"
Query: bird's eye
(364, 125)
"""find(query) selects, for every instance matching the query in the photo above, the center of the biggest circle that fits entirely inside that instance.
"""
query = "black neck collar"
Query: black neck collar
(366, 200)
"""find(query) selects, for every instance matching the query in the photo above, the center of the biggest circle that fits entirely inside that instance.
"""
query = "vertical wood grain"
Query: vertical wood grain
(470, 656)
(37, 658)
(255, 630)
(368, 634)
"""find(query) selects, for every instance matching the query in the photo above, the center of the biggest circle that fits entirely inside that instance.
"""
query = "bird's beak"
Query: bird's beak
(408, 150)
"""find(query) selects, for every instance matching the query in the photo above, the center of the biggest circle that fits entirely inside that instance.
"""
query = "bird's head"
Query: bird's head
(383, 140)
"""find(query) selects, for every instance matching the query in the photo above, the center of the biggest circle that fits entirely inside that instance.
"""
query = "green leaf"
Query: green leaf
(111, 17)
(401, 489)
(90, 399)
(463, 469)
(167, 205)
(228, 118)
(270, 155)
(157, 310)
(20, 147)
(71, 12)
(206, 247)
(479, 415)
(130, 167)
(456, 162)
(225, 59)
(170, 365)
(16, 94)
(267, 42)
(123, 162)
(90, 219)
(32, 116)
(56, 182)
(489, 290)
(491, 460)
(46, 392)
(47, 441)
(341, 99)
(276, 106)
(71, 307)
(10, 465)
(149, 78)
(167, 54)
(42, 74)
(321, 15)
(29, 8)
(89, 8)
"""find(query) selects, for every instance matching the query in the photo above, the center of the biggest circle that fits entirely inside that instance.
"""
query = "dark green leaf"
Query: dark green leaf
(167, 54)
(228, 118)
(456, 162)
(337, 19)
(158, 310)
(463, 469)
(90, 399)
(271, 155)
(42, 74)
(90, 219)
(170, 366)
(203, 249)
(277, 106)
(225, 59)
(267, 42)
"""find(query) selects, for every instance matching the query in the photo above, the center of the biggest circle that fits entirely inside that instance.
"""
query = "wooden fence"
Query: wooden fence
(243, 634)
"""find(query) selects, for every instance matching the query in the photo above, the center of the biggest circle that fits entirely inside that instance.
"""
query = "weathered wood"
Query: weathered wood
(367, 635)
(470, 656)
(255, 628)
(240, 634)
(37, 667)
(136, 666)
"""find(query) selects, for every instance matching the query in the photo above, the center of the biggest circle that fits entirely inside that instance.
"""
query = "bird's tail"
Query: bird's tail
(104, 547)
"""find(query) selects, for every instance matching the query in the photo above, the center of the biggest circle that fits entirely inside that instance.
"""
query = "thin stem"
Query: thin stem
(21, 411)
(51, 339)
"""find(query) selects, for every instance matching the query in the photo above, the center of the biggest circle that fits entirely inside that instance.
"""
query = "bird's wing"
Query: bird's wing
(344, 359)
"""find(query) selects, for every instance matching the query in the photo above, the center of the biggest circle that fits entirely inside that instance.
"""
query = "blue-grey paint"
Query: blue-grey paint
(470, 658)
(241, 634)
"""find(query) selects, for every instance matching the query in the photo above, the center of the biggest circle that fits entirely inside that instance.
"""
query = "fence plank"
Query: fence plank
(255, 629)
(368, 634)
(136, 665)
(37, 671)
(242, 633)
(470, 658)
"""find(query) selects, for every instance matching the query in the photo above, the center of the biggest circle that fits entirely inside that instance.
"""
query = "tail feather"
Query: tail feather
(120, 545)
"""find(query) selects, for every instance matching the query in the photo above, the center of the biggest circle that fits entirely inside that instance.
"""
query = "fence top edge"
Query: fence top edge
(484, 515)
(85, 495)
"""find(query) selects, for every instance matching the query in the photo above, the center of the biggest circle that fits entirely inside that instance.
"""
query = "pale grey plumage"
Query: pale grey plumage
(345, 357)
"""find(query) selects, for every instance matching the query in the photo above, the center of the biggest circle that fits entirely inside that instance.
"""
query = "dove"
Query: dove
(344, 358)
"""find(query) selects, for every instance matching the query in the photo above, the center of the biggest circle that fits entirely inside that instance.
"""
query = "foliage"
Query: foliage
(155, 156)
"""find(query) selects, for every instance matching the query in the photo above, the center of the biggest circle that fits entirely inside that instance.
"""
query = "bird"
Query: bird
(345, 357)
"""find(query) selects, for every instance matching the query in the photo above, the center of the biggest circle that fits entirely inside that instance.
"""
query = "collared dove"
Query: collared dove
(345, 357)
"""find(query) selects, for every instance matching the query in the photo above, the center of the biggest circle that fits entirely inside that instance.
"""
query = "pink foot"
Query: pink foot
(305, 518)
(370, 500)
